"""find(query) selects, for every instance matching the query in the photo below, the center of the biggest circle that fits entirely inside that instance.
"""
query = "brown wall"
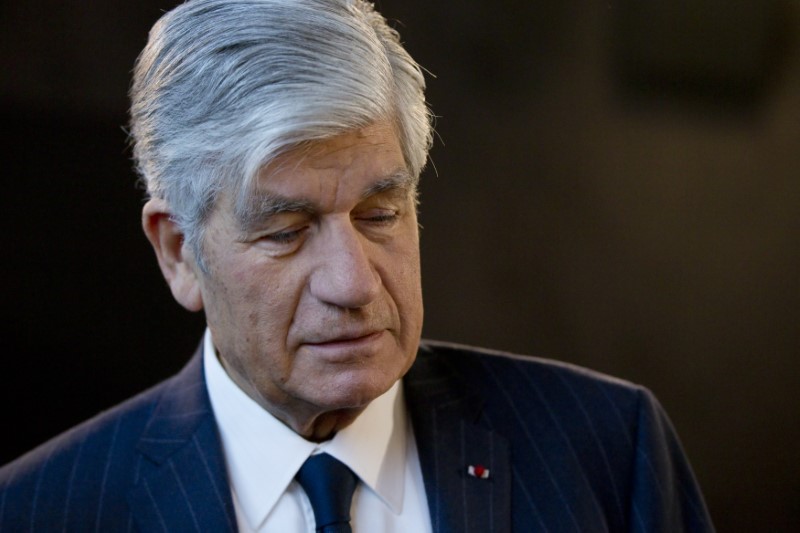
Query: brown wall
(617, 186)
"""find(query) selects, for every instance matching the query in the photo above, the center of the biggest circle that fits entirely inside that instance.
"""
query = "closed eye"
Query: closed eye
(283, 237)
(381, 218)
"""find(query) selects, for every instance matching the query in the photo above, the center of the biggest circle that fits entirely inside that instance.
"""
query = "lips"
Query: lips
(346, 347)
(343, 338)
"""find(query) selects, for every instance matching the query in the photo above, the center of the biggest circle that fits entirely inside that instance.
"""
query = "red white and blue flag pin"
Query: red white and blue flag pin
(478, 471)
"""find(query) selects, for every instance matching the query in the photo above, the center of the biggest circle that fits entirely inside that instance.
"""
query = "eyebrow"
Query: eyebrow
(260, 206)
(399, 180)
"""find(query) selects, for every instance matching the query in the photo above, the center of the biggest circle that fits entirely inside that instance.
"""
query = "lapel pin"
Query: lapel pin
(478, 471)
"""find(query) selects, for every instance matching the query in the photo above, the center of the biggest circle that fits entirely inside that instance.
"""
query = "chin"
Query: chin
(355, 391)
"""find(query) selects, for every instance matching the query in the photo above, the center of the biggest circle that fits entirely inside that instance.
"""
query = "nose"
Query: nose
(345, 275)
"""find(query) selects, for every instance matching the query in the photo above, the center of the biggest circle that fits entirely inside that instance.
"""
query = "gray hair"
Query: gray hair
(225, 86)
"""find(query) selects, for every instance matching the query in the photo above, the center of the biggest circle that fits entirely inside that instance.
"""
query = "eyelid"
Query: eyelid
(284, 236)
(394, 196)
(379, 217)
(379, 213)
(279, 222)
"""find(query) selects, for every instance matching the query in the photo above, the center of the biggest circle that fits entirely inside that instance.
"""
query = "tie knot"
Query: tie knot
(329, 484)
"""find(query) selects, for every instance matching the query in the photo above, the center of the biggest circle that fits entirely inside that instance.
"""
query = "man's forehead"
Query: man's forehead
(321, 154)
(375, 141)
(357, 158)
(354, 165)
(263, 201)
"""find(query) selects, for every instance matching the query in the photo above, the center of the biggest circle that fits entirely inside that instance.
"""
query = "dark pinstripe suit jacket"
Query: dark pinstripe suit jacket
(567, 450)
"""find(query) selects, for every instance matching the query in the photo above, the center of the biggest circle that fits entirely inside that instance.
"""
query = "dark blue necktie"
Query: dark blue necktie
(329, 485)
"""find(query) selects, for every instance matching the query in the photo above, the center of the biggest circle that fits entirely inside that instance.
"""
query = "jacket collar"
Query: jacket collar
(452, 436)
(183, 478)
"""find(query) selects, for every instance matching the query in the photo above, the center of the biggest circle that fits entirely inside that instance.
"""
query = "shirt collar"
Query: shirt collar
(263, 455)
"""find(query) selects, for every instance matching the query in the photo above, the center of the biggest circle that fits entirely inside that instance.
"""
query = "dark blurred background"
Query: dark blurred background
(616, 184)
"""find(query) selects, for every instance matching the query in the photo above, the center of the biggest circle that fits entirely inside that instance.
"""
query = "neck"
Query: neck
(325, 426)
(305, 419)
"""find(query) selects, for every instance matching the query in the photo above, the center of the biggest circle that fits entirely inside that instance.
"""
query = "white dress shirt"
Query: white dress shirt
(263, 455)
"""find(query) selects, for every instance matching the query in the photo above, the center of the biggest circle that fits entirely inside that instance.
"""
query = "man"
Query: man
(281, 142)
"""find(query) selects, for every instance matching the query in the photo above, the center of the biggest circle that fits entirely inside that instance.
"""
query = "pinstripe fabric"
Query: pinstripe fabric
(151, 464)
(567, 449)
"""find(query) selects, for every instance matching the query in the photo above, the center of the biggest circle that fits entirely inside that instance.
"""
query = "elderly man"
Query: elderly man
(281, 142)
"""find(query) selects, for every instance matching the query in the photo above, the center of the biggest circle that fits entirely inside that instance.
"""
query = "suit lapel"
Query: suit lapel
(451, 436)
(182, 483)
(183, 486)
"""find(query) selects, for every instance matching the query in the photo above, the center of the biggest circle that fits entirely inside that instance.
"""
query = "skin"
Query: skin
(312, 294)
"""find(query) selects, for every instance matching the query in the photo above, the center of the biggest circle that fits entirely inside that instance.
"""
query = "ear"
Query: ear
(176, 260)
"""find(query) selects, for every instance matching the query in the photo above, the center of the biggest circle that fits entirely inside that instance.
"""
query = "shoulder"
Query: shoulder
(131, 414)
(532, 399)
(602, 444)
(83, 462)
(523, 376)
(115, 430)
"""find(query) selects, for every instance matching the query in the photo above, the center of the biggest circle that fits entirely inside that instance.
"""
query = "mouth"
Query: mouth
(347, 347)
(346, 338)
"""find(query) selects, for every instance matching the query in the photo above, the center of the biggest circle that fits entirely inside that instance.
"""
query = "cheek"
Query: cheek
(266, 298)
(406, 284)
(234, 297)
(409, 263)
